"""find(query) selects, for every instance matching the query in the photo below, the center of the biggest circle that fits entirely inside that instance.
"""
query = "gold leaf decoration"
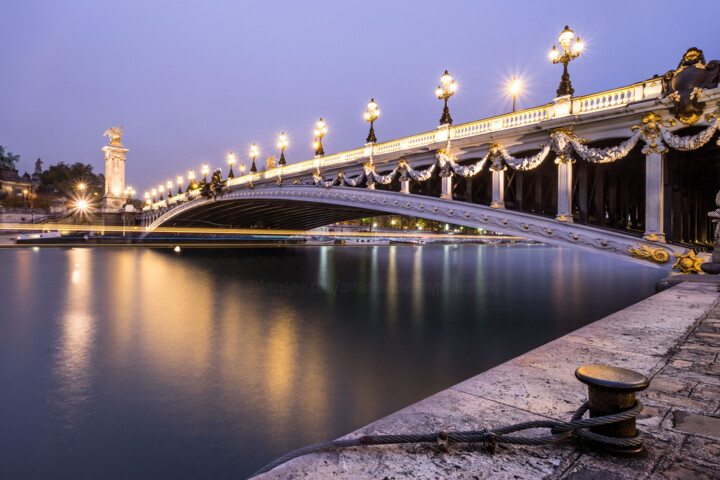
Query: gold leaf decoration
(649, 253)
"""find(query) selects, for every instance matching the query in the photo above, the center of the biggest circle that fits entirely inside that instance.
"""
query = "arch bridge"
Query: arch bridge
(624, 173)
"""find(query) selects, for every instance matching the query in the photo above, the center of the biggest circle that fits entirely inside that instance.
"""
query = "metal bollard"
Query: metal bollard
(612, 390)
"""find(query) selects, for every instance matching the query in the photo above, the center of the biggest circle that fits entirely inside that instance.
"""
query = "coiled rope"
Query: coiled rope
(561, 432)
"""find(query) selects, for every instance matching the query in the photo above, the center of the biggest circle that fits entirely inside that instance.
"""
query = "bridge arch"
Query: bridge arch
(304, 206)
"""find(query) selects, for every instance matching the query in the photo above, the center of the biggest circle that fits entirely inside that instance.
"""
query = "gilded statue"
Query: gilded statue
(684, 84)
(114, 133)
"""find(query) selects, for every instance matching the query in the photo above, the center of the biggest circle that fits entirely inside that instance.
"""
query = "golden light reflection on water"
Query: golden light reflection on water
(417, 291)
(73, 361)
(391, 287)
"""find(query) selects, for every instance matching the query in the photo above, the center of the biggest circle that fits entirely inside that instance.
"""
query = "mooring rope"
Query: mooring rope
(561, 432)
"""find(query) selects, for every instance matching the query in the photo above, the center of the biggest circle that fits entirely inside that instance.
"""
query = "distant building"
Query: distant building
(13, 183)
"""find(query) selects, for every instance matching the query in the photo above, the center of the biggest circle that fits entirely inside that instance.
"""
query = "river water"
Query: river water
(121, 363)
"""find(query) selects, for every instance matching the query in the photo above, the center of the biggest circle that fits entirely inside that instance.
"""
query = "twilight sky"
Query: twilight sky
(193, 80)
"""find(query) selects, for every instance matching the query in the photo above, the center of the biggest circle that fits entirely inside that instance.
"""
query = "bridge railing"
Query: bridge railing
(616, 98)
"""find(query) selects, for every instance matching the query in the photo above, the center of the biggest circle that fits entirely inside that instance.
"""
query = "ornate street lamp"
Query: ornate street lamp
(205, 170)
(242, 169)
(445, 90)
(253, 154)
(169, 185)
(154, 192)
(191, 180)
(282, 143)
(129, 192)
(371, 114)
(320, 131)
(514, 89)
(231, 161)
(147, 198)
(179, 182)
(161, 189)
(569, 53)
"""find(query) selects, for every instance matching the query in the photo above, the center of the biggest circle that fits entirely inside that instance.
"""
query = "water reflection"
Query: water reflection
(210, 363)
(76, 343)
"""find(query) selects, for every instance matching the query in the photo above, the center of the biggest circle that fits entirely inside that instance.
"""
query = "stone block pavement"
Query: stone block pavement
(672, 337)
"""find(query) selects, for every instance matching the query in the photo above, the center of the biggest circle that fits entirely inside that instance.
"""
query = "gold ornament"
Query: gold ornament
(687, 262)
(114, 133)
(495, 152)
(651, 131)
(649, 253)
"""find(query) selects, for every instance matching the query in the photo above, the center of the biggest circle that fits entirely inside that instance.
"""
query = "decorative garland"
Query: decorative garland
(524, 164)
(690, 142)
(381, 179)
(446, 159)
(606, 155)
(419, 175)
(562, 143)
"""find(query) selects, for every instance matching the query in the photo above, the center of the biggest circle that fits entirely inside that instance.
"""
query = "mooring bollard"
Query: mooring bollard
(612, 390)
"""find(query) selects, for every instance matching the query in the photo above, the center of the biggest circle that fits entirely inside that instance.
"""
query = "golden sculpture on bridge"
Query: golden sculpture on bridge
(114, 133)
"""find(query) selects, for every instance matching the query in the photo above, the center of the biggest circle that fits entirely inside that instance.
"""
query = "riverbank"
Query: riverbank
(672, 337)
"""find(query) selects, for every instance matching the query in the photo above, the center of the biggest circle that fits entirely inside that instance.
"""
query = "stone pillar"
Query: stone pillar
(113, 200)
(564, 204)
(446, 184)
(498, 188)
(654, 197)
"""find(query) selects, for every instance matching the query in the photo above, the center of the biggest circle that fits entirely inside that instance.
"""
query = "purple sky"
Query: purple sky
(191, 81)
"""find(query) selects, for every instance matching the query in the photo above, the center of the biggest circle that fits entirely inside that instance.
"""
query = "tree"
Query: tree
(64, 179)
(7, 159)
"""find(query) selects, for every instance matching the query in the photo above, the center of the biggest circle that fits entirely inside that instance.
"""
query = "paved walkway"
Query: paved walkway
(672, 337)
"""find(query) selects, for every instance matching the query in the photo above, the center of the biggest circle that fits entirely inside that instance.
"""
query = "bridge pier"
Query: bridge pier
(498, 188)
(654, 196)
(564, 204)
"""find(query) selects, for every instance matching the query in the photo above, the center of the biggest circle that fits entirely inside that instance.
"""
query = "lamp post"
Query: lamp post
(569, 53)
(147, 198)
(154, 192)
(282, 143)
(169, 188)
(514, 89)
(253, 154)
(445, 90)
(371, 114)
(320, 131)
(179, 182)
(191, 180)
(161, 189)
(231, 161)
(242, 169)
(205, 170)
